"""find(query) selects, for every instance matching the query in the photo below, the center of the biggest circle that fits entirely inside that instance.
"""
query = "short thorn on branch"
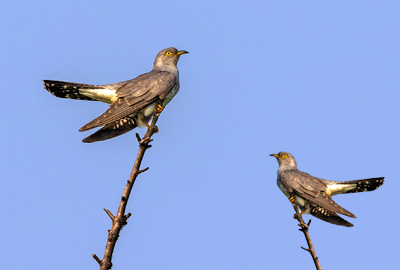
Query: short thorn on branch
(109, 214)
(146, 142)
(304, 226)
(143, 141)
(138, 138)
(125, 218)
(142, 171)
(306, 249)
(97, 259)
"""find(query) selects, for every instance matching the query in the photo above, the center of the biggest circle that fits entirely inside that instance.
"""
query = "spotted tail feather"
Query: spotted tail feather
(69, 89)
(365, 184)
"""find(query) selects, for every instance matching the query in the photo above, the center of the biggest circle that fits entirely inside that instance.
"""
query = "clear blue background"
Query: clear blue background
(315, 78)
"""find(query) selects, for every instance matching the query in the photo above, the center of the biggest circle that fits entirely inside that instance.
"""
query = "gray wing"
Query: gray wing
(311, 189)
(135, 95)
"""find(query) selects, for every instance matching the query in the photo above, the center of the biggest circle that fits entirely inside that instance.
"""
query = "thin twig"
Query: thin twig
(109, 214)
(304, 229)
(120, 219)
(97, 259)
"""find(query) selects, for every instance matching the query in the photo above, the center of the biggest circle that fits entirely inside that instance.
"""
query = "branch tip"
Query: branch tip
(109, 214)
(138, 137)
(97, 259)
(142, 171)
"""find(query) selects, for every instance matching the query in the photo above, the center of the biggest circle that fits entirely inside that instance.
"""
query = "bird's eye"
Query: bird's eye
(284, 156)
(168, 53)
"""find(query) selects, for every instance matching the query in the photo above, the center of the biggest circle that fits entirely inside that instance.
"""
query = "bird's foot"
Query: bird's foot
(292, 199)
(158, 109)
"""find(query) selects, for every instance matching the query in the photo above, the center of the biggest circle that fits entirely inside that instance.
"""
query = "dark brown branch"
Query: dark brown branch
(304, 229)
(120, 219)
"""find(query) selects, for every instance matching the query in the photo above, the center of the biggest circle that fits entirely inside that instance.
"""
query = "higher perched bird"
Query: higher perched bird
(133, 102)
(313, 195)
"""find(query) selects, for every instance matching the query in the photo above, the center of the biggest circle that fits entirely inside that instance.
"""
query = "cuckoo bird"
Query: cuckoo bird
(314, 195)
(132, 102)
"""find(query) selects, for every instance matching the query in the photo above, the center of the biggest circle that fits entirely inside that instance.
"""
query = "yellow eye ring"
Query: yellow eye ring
(168, 53)
(284, 156)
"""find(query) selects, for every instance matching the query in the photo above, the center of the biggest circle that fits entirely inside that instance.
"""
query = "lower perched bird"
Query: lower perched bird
(133, 102)
(313, 195)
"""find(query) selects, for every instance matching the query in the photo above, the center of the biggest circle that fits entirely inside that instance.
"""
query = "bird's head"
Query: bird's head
(285, 159)
(168, 57)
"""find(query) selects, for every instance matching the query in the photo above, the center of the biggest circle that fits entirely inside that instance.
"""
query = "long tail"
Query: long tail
(112, 130)
(69, 89)
(329, 216)
(364, 184)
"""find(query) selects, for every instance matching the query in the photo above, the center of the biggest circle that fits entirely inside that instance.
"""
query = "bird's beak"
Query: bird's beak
(274, 155)
(181, 52)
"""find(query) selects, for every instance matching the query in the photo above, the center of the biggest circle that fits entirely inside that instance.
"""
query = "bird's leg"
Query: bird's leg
(155, 128)
(301, 214)
(292, 199)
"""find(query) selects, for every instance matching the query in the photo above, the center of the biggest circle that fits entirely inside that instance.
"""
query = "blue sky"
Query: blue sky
(317, 79)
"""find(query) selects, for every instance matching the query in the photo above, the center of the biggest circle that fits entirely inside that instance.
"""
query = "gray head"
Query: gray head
(285, 160)
(167, 58)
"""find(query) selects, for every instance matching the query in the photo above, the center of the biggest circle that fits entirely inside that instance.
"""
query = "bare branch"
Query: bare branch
(304, 229)
(120, 219)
